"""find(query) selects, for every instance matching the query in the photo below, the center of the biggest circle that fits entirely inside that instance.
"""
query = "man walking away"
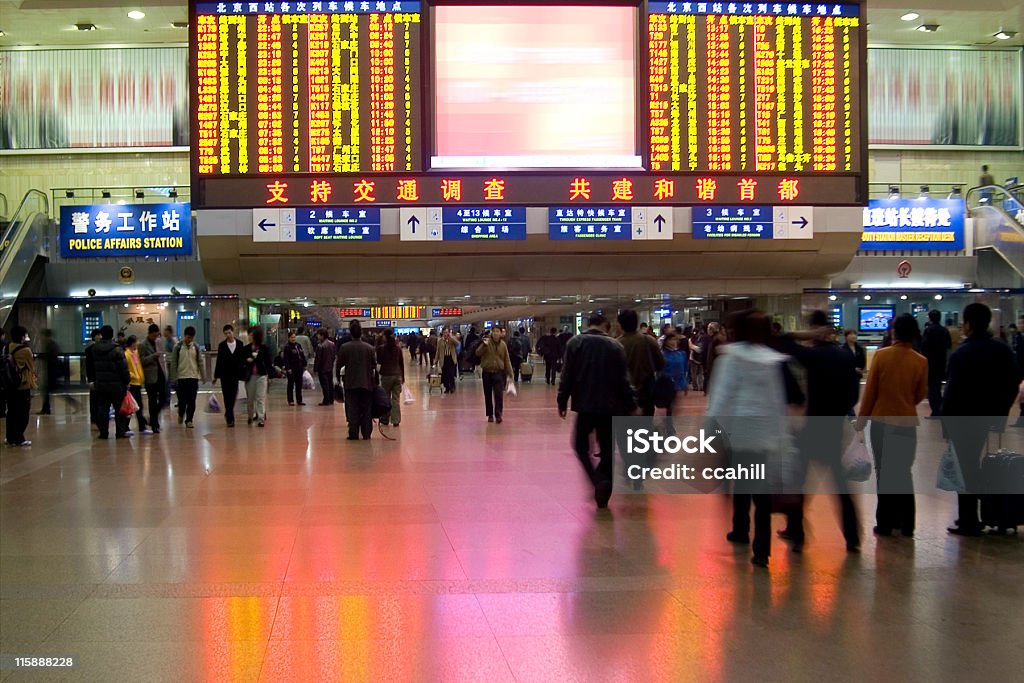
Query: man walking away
(294, 367)
(431, 344)
(935, 345)
(392, 375)
(356, 363)
(596, 380)
(644, 358)
(187, 370)
(228, 369)
(154, 366)
(323, 361)
(515, 350)
(90, 378)
(548, 348)
(497, 369)
(980, 390)
(19, 389)
(112, 380)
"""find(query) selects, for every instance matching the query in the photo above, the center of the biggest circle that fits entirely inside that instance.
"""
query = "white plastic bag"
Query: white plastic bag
(213, 405)
(407, 396)
(856, 459)
(950, 477)
(511, 389)
(307, 381)
(242, 396)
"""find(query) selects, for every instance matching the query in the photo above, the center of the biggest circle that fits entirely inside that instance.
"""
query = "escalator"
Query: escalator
(24, 242)
(998, 215)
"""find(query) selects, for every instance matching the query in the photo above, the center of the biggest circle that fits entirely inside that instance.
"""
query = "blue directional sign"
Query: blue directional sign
(336, 224)
(590, 223)
(733, 222)
(125, 230)
(483, 223)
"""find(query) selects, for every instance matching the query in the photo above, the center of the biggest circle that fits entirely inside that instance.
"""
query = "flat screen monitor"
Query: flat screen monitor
(875, 319)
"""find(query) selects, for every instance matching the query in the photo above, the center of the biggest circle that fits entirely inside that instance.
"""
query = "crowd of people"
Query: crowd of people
(744, 366)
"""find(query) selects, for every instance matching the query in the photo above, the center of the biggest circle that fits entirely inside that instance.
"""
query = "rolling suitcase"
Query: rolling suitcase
(526, 371)
(433, 381)
(1002, 504)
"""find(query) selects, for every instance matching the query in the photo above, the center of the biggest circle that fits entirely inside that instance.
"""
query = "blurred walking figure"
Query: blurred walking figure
(596, 381)
(448, 353)
(897, 382)
(392, 375)
(550, 350)
(356, 367)
(257, 368)
(19, 389)
(323, 362)
(496, 367)
(187, 371)
(935, 345)
(112, 380)
(748, 398)
(228, 369)
(294, 367)
(51, 371)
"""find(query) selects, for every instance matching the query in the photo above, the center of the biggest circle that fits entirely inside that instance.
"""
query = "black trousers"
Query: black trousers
(188, 390)
(94, 407)
(969, 440)
(295, 387)
(105, 400)
(494, 393)
(229, 389)
(448, 374)
(936, 373)
(894, 449)
(19, 404)
(357, 412)
(155, 395)
(326, 386)
(762, 545)
(822, 441)
(550, 370)
(140, 414)
(3, 403)
(586, 423)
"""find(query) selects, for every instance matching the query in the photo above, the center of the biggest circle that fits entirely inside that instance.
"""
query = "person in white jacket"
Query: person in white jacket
(748, 400)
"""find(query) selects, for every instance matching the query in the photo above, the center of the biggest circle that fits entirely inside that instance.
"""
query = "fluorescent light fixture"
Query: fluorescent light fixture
(2, 33)
(867, 297)
(924, 192)
(1002, 35)
(938, 297)
(894, 192)
(179, 24)
(832, 297)
(903, 297)
(928, 28)
(136, 14)
(910, 16)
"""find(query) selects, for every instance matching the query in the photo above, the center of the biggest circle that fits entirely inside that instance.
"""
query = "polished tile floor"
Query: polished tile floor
(460, 551)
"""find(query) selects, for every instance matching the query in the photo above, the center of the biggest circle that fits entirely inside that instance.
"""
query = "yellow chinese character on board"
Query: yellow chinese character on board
(747, 186)
(579, 188)
(789, 189)
(364, 191)
(622, 190)
(277, 189)
(319, 191)
(451, 190)
(408, 190)
(494, 190)
(664, 188)
(706, 189)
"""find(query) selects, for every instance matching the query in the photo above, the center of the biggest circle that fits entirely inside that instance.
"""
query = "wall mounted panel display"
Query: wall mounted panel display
(755, 87)
(90, 98)
(138, 230)
(306, 87)
(920, 224)
(949, 97)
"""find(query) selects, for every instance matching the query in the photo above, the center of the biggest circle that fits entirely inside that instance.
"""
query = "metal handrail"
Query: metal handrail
(935, 189)
(3, 203)
(30, 220)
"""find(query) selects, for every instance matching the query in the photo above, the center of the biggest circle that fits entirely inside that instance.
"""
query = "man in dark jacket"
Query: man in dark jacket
(980, 390)
(595, 378)
(548, 347)
(935, 345)
(228, 369)
(111, 383)
(324, 357)
(154, 366)
(832, 387)
(644, 358)
(90, 378)
(356, 363)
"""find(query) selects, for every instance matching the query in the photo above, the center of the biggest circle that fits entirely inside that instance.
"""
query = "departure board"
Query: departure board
(306, 87)
(755, 87)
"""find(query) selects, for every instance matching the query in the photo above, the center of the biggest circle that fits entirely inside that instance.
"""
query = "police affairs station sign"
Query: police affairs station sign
(920, 224)
(122, 230)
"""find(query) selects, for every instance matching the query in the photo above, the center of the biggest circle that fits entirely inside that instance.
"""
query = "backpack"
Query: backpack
(473, 359)
(11, 376)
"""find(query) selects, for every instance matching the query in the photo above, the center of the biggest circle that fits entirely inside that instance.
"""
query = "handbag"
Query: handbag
(856, 459)
(381, 404)
(129, 406)
(950, 477)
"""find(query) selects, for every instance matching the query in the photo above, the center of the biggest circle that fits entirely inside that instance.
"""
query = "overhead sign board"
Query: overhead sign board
(914, 223)
(125, 230)
(483, 223)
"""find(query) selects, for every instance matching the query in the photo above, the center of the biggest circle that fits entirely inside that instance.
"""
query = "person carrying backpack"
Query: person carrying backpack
(19, 379)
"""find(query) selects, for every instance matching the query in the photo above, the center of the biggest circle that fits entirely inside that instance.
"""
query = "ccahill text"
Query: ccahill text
(108, 243)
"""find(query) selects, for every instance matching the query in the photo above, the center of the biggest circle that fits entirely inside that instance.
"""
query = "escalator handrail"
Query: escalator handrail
(17, 219)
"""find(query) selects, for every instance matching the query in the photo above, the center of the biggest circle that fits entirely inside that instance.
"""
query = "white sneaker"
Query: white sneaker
(147, 430)
(129, 433)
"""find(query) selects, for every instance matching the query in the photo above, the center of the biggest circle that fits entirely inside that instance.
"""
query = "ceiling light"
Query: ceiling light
(86, 27)
(928, 28)
(867, 297)
(903, 297)
(136, 14)
(938, 297)
(179, 24)
(1002, 35)
(2, 33)
(910, 16)
(832, 297)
